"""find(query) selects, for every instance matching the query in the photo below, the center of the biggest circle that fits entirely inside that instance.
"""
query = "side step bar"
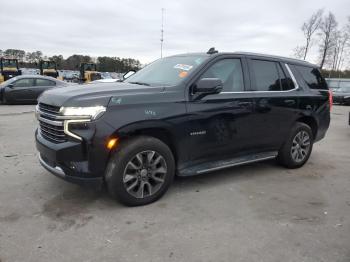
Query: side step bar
(222, 164)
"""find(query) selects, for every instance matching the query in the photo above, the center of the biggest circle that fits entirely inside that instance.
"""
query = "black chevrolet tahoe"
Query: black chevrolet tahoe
(186, 115)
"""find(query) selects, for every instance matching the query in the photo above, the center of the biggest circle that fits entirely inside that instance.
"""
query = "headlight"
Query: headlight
(92, 112)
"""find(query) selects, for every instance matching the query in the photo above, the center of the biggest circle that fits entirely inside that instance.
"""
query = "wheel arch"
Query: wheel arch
(157, 129)
(311, 122)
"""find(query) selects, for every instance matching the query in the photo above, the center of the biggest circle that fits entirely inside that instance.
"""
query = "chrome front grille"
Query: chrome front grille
(49, 109)
(51, 126)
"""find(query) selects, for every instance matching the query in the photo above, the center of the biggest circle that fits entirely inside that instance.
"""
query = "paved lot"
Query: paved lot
(260, 212)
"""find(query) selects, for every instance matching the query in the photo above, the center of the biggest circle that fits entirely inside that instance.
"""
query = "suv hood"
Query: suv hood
(93, 94)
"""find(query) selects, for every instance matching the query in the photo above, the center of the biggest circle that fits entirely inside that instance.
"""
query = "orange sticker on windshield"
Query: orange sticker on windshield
(183, 74)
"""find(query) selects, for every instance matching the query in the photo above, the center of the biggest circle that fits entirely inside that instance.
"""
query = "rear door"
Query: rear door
(219, 125)
(21, 90)
(41, 85)
(314, 101)
(276, 101)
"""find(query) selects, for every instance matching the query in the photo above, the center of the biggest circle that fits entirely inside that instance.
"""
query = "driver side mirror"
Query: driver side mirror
(10, 86)
(208, 86)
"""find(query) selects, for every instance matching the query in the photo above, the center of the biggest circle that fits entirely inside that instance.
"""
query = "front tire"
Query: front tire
(140, 171)
(297, 149)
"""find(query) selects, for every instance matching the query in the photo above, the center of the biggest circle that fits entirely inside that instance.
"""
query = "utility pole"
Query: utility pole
(162, 34)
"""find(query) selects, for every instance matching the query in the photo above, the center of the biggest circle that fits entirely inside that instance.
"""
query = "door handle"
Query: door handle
(289, 102)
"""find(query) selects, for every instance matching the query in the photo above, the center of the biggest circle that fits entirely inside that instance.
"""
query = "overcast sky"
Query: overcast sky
(131, 28)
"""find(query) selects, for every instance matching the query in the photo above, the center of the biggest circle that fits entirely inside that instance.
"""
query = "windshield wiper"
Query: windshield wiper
(140, 83)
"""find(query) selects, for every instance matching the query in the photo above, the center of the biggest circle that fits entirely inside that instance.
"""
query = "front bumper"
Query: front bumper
(66, 161)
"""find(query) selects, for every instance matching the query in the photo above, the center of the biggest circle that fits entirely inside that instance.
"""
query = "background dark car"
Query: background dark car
(27, 89)
(341, 95)
(333, 83)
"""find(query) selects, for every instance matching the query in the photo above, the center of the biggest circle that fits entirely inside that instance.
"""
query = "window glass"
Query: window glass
(344, 86)
(312, 77)
(286, 82)
(333, 83)
(44, 82)
(266, 75)
(168, 71)
(23, 82)
(230, 73)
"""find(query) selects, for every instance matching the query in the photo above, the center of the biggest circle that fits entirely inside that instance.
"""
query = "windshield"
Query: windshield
(9, 63)
(11, 80)
(89, 67)
(49, 65)
(168, 71)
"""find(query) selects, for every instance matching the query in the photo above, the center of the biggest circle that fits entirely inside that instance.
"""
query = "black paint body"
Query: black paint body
(215, 127)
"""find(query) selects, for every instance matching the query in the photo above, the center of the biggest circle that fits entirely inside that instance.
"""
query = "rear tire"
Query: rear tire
(297, 149)
(140, 171)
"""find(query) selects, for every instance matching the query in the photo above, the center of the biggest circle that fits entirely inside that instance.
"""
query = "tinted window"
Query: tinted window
(44, 82)
(286, 82)
(312, 77)
(230, 73)
(24, 82)
(265, 74)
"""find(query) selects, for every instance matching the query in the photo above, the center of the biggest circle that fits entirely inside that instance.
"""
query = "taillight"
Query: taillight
(330, 94)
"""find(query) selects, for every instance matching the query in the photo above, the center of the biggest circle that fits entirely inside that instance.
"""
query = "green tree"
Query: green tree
(15, 53)
(107, 64)
(58, 59)
(73, 62)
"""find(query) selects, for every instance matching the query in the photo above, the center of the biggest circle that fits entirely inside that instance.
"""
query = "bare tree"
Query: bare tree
(328, 32)
(341, 44)
(345, 46)
(298, 52)
(336, 49)
(309, 28)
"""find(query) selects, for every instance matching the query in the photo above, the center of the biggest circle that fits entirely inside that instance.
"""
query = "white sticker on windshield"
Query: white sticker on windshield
(183, 67)
(198, 60)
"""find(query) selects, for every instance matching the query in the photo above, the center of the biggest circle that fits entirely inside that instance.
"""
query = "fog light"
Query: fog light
(112, 143)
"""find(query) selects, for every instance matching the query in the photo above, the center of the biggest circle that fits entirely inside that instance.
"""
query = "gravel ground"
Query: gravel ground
(260, 212)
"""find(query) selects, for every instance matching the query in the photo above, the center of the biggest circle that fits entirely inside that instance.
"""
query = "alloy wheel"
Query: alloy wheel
(145, 174)
(300, 146)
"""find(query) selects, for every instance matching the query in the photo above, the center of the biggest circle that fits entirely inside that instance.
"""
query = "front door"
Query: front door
(219, 125)
(20, 90)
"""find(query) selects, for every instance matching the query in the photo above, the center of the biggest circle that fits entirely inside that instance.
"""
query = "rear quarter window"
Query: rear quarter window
(312, 77)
